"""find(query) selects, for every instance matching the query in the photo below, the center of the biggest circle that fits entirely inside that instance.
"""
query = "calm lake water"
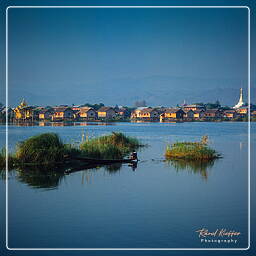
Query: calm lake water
(156, 205)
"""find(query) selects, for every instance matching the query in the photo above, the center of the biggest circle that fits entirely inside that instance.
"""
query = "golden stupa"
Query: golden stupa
(23, 111)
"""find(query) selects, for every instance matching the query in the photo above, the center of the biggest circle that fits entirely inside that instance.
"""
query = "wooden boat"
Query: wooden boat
(104, 161)
(84, 163)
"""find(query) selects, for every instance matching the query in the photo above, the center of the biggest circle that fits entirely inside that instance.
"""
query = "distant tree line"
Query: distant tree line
(210, 105)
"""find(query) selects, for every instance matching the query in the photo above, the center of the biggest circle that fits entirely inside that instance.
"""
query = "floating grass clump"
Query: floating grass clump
(114, 146)
(48, 149)
(191, 150)
(43, 148)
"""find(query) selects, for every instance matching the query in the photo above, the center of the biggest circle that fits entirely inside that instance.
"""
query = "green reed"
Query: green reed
(48, 148)
(113, 146)
(191, 150)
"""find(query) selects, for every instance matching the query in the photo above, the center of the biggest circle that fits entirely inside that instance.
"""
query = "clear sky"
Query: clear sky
(71, 49)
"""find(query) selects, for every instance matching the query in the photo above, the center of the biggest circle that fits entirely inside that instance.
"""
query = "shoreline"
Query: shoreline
(85, 123)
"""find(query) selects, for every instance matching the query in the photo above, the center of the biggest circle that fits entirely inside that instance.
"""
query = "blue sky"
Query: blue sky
(63, 52)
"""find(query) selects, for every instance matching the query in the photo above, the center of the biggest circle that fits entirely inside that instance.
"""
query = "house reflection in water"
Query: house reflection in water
(200, 167)
(61, 124)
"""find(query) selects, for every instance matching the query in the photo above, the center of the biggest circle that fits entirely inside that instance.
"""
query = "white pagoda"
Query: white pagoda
(240, 102)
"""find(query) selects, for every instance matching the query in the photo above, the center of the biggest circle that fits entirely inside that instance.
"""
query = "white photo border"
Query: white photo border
(134, 249)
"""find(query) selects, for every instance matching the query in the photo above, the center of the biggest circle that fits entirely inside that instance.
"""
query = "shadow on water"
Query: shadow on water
(39, 178)
(3, 174)
(113, 168)
(200, 167)
(46, 177)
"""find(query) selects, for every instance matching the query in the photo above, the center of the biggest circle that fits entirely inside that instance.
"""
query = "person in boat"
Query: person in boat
(134, 156)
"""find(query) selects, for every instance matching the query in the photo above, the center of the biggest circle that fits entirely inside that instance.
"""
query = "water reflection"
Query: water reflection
(113, 168)
(51, 177)
(39, 178)
(11, 173)
(200, 167)
(59, 124)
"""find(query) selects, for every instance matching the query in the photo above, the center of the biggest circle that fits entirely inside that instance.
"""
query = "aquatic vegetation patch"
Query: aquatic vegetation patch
(43, 148)
(113, 146)
(191, 150)
(48, 149)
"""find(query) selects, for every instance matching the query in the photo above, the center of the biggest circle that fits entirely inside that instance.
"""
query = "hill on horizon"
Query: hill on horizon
(155, 90)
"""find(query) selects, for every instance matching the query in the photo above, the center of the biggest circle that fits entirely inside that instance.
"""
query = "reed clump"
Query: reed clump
(43, 148)
(113, 146)
(191, 150)
(48, 149)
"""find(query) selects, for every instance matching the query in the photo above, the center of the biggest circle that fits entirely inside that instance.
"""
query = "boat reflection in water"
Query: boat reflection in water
(200, 167)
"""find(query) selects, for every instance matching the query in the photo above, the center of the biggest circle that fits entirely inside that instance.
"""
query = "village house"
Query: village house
(198, 114)
(62, 113)
(230, 114)
(7, 111)
(76, 108)
(46, 114)
(253, 113)
(160, 110)
(242, 111)
(36, 111)
(76, 111)
(194, 107)
(172, 114)
(106, 113)
(87, 113)
(36, 108)
(188, 114)
(137, 112)
(212, 113)
(146, 114)
(122, 112)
